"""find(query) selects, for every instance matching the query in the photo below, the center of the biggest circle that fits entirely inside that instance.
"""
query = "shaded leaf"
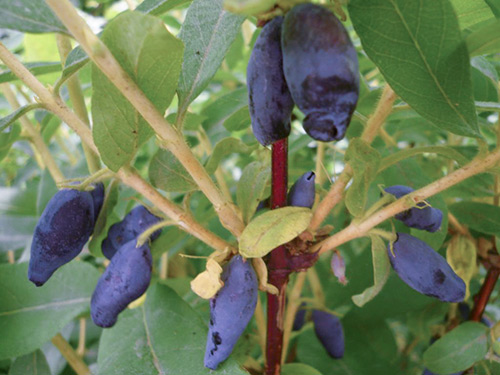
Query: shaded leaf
(381, 270)
(364, 161)
(31, 16)
(207, 33)
(471, 12)
(30, 364)
(482, 217)
(458, 349)
(7, 139)
(226, 147)
(139, 344)
(157, 7)
(152, 57)
(239, 120)
(36, 68)
(30, 316)
(422, 40)
(484, 41)
(168, 174)
(224, 107)
(272, 229)
(251, 186)
(8, 120)
(298, 369)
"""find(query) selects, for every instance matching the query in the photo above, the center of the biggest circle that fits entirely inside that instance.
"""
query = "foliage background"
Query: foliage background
(440, 57)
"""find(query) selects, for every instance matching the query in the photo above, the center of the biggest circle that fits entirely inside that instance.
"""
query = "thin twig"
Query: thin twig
(70, 355)
(373, 126)
(360, 229)
(35, 136)
(80, 350)
(77, 99)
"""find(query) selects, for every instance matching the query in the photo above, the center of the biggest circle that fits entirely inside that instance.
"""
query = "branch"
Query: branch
(373, 126)
(360, 229)
(172, 139)
(35, 136)
(69, 353)
(78, 101)
(52, 103)
(184, 220)
(135, 181)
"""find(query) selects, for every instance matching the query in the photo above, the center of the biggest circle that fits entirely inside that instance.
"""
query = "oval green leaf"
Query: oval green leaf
(272, 229)
(458, 350)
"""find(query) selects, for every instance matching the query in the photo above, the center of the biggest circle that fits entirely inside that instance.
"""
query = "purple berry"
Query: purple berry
(230, 310)
(302, 192)
(61, 232)
(424, 270)
(421, 217)
(330, 333)
(321, 68)
(269, 100)
(126, 279)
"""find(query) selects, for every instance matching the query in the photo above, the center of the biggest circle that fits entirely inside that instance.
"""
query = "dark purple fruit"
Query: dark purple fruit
(321, 69)
(300, 318)
(61, 232)
(302, 192)
(421, 217)
(132, 225)
(230, 310)
(98, 198)
(424, 270)
(126, 279)
(328, 329)
(269, 99)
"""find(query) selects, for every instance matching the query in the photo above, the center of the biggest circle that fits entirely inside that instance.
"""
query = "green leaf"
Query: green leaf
(152, 57)
(31, 16)
(225, 147)
(8, 120)
(494, 6)
(191, 121)
(481, 217)
(421, 40)
(36, 68)
(471, 12)
(484, 41)
(157, 7)
(298, 369)
(168, 174)
(239, 120)
(458, 350)
(30, 364)
(7, 139)
(251, 186)
(381, 270)
(224, 107)
(364, 161)
(272, 229)
(104, 220)
(207, 33)
(163, 336)
(30, 316)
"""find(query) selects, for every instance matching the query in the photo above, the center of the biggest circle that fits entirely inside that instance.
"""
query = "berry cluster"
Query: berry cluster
(307, 59)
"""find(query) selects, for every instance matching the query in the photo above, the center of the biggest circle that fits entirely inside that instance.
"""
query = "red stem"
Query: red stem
(277, 264)
(481, 300)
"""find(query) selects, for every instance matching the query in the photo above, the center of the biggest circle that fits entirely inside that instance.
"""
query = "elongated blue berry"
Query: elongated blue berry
(330, 333)
(98, 198)
(230, 310)
(302, 192)
(321, 69)
(132, 225)
(421, 217)
(300, 317)
(269, 99)
(61, 232)
(424, 270)
(125, 279)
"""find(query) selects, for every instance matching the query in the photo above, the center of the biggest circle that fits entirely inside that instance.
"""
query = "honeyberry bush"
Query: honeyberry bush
(164, 89)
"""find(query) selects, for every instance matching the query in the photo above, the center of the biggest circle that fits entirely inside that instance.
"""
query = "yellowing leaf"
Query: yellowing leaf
(208, 283)
(272, 229)
(461, 255)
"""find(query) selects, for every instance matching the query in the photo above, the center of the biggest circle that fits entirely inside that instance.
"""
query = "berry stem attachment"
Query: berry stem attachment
(277, 264)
